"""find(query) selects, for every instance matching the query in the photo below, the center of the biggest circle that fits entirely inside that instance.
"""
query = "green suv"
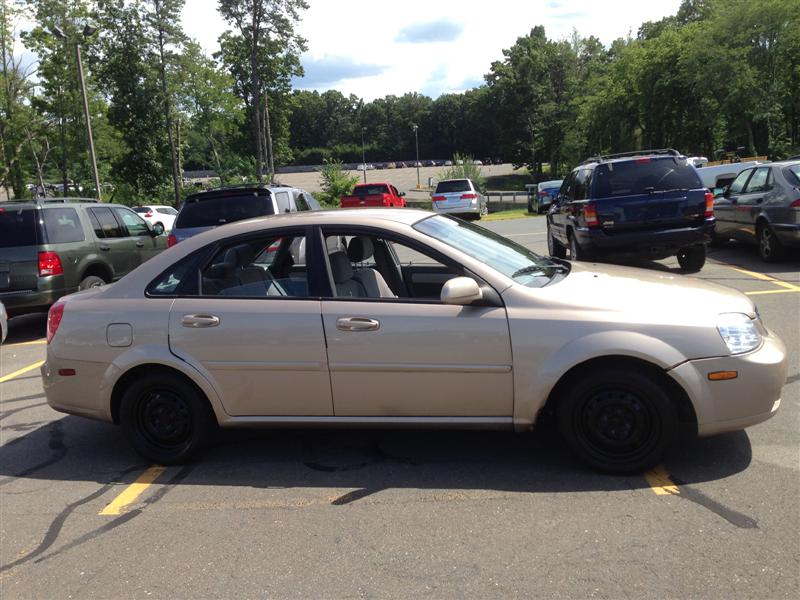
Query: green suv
(55, 246)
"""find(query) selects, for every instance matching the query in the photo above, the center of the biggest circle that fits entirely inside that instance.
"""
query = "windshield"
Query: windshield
(499, 253)
(211, 212)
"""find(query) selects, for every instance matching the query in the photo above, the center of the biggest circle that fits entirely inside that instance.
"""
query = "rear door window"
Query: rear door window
(282, 200)
(108, 224)
(759, 182)
(643, 176)
(18, 227)
(212, 212)
(62, 225)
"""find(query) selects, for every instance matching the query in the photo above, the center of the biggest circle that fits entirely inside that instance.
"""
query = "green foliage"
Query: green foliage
(336, 182)
(464, 168)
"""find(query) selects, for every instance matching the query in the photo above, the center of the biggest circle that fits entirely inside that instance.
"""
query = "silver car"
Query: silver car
(404, 318)
(461, 197)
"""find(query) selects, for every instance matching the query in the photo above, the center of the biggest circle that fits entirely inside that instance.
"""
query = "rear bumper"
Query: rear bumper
(32, 301)
(466, 208)
(788, 234)
(652, 243)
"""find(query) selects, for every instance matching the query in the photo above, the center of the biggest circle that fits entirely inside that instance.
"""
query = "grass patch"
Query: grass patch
(505, 215)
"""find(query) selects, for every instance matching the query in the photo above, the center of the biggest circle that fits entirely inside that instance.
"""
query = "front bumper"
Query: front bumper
(754, 396)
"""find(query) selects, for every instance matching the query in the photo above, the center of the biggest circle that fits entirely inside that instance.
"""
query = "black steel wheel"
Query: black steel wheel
(90, 281)
(692, 258)
(769, 247)
(576, 252)
(617, 421)
(165, 418)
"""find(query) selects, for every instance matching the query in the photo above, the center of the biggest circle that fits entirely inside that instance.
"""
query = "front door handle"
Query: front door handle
(357, 324)
(105, 248)
(200, 320)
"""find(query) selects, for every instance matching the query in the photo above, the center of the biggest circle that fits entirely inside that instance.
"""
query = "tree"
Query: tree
(262, 55)
(336, 182)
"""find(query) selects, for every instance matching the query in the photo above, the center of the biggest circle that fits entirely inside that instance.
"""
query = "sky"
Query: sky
(373, 48)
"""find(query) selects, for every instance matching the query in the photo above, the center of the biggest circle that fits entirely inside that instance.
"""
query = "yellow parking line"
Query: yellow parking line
(760, 292)
(23, 370)
(762, 277)
(31, 343)
(133, 491)
(660, 483)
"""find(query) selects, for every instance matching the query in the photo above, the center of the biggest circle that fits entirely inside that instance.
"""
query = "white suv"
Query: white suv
(156, 213)
(459, 196)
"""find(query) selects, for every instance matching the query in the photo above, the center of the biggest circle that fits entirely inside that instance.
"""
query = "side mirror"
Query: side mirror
(461, 291)
(401, 194)
(726, 191)
(156, 230)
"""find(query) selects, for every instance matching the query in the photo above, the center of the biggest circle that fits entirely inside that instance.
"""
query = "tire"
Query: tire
(165, 418)
(769, 246)
(575, 250)
(485, 209)
(554, 247)
(692, 258)
(91, 281)
(617, 420)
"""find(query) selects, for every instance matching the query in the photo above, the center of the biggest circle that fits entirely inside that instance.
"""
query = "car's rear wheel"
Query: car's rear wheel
(90, 281)
(617, 420)
(769, 247)
(692, 258)
(165, 418)
(554, 247)
(575, 250)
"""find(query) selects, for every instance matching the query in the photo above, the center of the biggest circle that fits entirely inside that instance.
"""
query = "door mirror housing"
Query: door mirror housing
(156, 230)
(461, 291)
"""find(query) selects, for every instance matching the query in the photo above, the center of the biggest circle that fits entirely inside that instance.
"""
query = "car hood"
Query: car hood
(646, 295)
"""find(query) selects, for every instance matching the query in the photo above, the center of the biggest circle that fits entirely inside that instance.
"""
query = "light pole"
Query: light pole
(416, 143)
(88, 31)
(363, 161)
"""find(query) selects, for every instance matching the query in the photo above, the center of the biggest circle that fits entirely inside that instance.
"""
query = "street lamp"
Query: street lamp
(363, 161)
(88, 31)
(416, 143)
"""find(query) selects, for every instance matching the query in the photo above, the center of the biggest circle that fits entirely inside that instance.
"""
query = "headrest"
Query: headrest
(341, 268)
(241, 255)
(360, 249)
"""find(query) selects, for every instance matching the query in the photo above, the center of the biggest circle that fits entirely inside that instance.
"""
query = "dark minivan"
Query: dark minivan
(648, 204)
(55, 246)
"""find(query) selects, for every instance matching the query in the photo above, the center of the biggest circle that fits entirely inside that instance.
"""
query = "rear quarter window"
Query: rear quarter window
(212, 212)
(792, 174)
(18, 227)
(62, 225)
(642, 176)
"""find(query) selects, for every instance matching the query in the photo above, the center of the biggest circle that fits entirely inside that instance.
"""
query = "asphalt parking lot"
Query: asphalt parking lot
(342, 514)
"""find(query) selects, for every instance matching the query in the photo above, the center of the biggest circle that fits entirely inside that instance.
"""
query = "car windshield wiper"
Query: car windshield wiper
(531, 269)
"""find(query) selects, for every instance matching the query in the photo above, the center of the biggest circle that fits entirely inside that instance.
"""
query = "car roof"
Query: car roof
(663, 153)
(56, 202)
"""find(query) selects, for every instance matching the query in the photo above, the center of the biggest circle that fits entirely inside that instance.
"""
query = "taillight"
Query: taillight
(54, 316)
(795, 204)
(469, 196)
(171, 240)
(49, 264)
(590, 214)
(709, 205)
(438, 198)
(148, 214)
(543, 194)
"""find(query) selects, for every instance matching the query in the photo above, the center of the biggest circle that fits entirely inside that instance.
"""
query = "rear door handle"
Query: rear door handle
(198, 321)
(357, 324)
(105, 248)
(139, 244)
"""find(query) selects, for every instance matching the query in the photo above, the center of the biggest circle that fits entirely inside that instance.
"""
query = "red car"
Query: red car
(372, 195)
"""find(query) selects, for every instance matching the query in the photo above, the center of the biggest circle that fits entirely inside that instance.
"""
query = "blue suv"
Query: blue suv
(648, 204)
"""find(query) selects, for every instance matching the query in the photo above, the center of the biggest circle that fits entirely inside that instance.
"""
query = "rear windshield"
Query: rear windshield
(643, 176)
(792, 173)
(369, 190)
(17, 227)
(218, 211)
(141, 209)
(456, 185)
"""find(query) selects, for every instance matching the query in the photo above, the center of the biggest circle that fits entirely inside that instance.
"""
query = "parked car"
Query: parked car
(447, 163)
(391, 165)
(368, 327)
(762, 206)
(365, 167)
(648, 204)
(204, 210)
(459, 196)
(373, 194)
(718, 177)
(157, 213)
(545, 192)
(57, 246)
(3, 323)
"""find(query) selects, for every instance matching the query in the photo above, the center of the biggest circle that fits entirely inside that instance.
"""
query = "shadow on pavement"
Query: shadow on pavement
(75, 449)
(26, 328)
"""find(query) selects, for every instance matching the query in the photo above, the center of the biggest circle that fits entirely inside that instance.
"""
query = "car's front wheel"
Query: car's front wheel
(692, 258)
(617, 420)
(165, 418)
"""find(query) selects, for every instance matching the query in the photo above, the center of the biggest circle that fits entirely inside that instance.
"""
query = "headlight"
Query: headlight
(739, 332)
